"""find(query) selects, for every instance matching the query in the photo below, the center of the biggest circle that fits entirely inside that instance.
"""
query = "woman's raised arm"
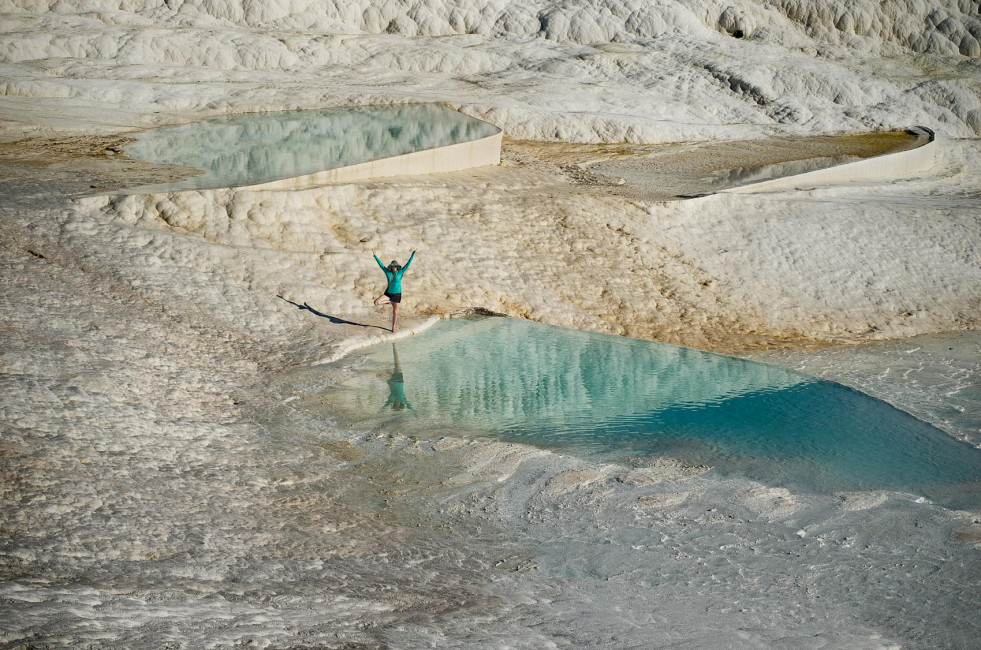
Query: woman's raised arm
(406, 267)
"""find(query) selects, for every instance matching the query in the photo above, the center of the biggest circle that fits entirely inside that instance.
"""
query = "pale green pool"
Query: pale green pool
(254, 148)
(609, 396)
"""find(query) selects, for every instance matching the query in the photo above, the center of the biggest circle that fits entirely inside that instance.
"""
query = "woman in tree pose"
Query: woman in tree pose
(393, 292)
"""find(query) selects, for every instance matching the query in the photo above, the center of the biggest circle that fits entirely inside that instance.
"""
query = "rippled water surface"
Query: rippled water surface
(255, 148)
(610, 396)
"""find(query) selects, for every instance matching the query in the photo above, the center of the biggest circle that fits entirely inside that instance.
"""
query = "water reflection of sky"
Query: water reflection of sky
(255, 148)
(611, 396)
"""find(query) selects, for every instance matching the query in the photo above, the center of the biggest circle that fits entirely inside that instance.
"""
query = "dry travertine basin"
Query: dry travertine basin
(671, 171)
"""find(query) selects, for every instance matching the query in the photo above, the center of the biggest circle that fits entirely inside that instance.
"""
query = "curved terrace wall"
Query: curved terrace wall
(454, 157)
(885, 166)
(301, 149)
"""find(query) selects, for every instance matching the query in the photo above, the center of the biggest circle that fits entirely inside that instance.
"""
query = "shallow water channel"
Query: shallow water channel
(606, 397)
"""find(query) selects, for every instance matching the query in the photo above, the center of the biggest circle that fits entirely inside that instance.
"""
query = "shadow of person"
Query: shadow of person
(396, 387)
(333, 319)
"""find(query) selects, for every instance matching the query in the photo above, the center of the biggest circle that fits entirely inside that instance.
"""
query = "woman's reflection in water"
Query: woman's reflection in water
(396, 387)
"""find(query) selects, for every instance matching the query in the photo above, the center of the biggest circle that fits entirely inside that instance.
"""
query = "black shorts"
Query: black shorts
(394, 297)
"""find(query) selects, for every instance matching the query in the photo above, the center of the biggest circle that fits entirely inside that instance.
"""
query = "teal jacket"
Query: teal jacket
(395, 277)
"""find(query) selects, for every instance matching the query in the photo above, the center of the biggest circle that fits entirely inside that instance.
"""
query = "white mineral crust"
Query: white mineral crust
(159, 488)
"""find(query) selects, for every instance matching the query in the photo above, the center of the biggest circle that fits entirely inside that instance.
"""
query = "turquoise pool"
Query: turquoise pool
(254, 148)
(608, 396)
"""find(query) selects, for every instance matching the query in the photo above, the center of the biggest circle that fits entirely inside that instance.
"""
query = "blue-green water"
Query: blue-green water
(253, 148)
(610, 396)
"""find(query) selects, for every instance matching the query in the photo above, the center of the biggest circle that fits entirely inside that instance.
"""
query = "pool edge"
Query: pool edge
(882, 167)
(455, 157)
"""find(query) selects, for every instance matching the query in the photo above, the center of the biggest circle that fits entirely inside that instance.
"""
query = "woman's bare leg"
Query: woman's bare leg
(395, 315)
(382, 300)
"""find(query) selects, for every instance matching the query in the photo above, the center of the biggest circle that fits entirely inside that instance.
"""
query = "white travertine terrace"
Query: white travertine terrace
(898, 164)
(158, 491)
(291, 150)
(451, 158)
